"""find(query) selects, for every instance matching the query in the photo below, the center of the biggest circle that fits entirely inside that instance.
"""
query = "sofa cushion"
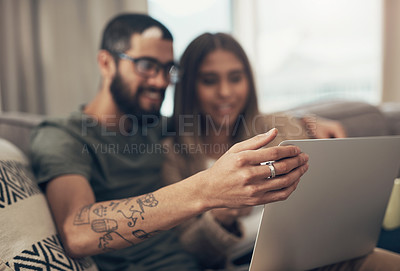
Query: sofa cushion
(29, 240)
(358, 118)
(4, 267)
(16, 128)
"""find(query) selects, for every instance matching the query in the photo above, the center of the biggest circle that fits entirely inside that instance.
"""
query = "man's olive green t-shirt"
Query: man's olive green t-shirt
(118, 164)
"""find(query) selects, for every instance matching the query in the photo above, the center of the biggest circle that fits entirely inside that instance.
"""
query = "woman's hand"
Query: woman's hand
(227, 216)
(318, 127)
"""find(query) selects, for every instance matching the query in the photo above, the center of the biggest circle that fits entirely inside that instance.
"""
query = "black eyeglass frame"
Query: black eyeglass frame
(170, 69)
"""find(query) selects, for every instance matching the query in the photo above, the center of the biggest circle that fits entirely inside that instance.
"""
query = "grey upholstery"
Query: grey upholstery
(16, 128)
(358, 118)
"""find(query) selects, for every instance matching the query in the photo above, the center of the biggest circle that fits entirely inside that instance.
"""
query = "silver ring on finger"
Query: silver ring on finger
(272, 169)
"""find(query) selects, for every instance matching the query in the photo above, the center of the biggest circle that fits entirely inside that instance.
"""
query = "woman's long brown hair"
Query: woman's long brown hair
(186, 101)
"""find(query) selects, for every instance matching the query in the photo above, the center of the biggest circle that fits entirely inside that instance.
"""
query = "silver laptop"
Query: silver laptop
(337, 209)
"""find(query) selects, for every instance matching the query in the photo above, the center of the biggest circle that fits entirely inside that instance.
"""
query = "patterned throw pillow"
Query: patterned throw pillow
(28, 236)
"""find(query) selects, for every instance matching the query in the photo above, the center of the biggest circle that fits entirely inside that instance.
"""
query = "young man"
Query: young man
(101, 166)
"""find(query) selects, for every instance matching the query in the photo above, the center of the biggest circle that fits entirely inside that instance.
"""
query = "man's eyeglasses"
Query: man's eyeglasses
(150, 67)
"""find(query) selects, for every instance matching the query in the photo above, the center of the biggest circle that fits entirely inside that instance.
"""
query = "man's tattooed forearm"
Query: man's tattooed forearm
(100, 211)
(147, 200)
(141, 234)
(83, 216)
(106, 219)
(114, 204)
(104, 225)
(111, 241)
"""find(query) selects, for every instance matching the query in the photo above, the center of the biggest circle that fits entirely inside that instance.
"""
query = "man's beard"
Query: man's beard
(129, 104)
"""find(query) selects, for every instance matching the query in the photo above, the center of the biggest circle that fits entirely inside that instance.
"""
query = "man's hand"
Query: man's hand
(323, 128)
(237, 179)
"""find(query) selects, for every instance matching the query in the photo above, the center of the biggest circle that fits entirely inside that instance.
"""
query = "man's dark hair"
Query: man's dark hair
(118, 32)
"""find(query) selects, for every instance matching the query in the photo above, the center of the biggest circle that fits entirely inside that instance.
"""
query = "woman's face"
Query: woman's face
(222, 87)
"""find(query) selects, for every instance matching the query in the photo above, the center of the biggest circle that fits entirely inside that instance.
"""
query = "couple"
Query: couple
(114, 205)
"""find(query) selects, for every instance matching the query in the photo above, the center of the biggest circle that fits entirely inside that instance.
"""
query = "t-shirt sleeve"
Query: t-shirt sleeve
(55, 152)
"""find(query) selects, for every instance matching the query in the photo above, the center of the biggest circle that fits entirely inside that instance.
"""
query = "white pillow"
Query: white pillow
(29, 240)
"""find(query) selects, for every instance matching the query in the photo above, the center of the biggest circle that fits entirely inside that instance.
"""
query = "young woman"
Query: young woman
(215, 107)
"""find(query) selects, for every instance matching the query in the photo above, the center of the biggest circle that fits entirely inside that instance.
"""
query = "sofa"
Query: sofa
(27, 233)
(28, 236)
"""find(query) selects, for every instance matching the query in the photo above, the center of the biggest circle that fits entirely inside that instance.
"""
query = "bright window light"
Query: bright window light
(186, 20)
(314, 50)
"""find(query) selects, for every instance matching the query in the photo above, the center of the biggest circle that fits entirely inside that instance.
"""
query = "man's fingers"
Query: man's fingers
(287, 165)
(270, 186)
(255, 142)
(281, 167)
(282, 194)
(255, 157)
(284, 181)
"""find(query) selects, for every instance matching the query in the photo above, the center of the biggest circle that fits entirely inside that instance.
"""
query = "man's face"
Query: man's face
(135, 94)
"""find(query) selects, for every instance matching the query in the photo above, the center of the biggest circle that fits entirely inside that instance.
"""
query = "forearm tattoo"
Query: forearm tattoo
(115, 217)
